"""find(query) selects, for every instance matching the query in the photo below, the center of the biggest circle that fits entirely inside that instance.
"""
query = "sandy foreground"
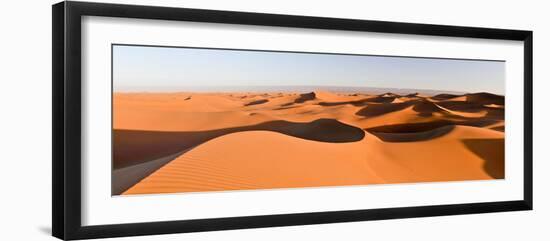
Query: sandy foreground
(194, 142)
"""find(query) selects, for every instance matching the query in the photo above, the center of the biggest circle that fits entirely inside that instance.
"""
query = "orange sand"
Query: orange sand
(192, 142)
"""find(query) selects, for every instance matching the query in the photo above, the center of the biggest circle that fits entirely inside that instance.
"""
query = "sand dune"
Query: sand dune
(444, 96)
(220, 165)
(485, 98)
(190, 142)
(134, 147)
(440, 158)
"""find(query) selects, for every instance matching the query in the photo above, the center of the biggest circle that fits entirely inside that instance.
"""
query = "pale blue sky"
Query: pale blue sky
(141, 68)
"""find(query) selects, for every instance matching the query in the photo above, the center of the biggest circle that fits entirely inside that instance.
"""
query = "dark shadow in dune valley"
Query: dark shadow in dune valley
(412, 132)
(491, 151)
(135, 146)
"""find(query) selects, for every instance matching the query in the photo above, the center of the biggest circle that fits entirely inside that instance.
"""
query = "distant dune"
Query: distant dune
(193, 142)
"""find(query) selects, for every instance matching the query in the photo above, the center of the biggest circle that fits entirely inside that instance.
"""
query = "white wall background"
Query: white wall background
(25, 119)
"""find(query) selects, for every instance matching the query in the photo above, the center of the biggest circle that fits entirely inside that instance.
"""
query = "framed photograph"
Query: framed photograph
(169, 120)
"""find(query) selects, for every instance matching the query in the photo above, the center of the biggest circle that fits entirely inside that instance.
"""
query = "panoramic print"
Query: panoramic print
(200, 120)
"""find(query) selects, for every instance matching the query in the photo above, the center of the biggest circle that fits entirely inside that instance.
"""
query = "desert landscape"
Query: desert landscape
(219, 141)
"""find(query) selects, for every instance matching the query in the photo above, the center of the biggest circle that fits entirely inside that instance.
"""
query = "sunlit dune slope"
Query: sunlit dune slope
(264, 162)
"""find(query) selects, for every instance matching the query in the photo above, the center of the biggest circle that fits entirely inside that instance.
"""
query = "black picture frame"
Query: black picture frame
(66, 76)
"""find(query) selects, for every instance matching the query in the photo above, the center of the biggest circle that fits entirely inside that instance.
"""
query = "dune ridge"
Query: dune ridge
(193, 142)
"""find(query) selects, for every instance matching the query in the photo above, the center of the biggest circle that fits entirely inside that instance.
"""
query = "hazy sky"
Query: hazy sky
(139, 68)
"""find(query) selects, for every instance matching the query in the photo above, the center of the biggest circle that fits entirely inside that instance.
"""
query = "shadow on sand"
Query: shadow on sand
(132, 147)
(412, 131)
(422, 131)
(427, 108)
(256, 102)
(490, 150)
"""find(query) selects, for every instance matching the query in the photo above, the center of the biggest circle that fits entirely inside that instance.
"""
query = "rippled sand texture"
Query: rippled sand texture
(194, 142)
